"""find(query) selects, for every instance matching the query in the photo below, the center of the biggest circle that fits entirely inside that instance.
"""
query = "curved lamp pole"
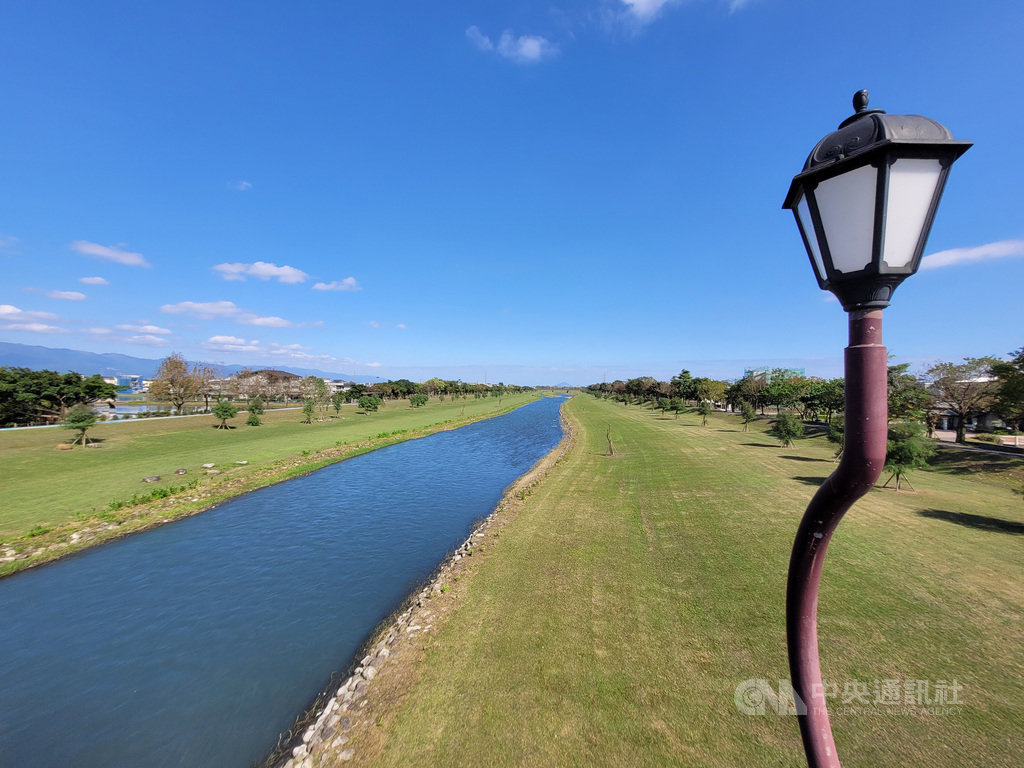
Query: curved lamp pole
(864, 204)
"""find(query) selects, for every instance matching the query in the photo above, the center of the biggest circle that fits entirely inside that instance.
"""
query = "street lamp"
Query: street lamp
(864, 204)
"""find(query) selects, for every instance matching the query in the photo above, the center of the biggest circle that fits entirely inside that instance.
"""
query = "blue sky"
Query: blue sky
(533, 192)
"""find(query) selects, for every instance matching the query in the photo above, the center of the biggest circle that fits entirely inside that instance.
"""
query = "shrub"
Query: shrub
(787, 428)
(906, 449)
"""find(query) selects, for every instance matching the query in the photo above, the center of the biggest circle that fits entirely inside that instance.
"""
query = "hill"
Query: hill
(110, 364)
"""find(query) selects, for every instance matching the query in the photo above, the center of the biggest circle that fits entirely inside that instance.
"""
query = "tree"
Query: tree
(684, 385)
(784, 389)
(608, 437)
(787, 428)
(675, 405)
(823, 396)
(908, 397)
(748, 414)
(308, 409)
(710, 390)
(253, 420)
(256, 406)
(906, 449)
(752, 389)
(837, 435)
(224, 410)
(704, 409)
(355, 392)
(204, 376)
(337, 399)
(1009, 403)
(315, 390)
(174, 383)
(417, 400)
(369, 403)
(80, 417)
(966, 389)
(29, 397)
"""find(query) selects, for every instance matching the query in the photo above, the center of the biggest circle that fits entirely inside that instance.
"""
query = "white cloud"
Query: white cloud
(287, 347)
(373, 365)
(204, 310)
(348, 284)
(9, 312)
(34, 328)
(262, 270)
(66, 295)
(646, 10)
(109, 252)
(98, 331)
(8, 243)
(1000, 250)
(401, 326)
(374, 324)
(232, 344)
(146, 341)
(143, 329)
(479, 39)
(268, 321)
(524, 49)
(93, 281)
(241, 185)
(210, 309)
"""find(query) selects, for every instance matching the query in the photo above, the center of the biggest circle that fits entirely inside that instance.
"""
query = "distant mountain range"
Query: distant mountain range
(109, 364)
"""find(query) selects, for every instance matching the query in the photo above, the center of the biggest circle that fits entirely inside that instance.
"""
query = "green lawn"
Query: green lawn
(40, 485)
(611, 621)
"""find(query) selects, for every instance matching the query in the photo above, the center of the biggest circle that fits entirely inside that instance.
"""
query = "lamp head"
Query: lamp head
(866, 198)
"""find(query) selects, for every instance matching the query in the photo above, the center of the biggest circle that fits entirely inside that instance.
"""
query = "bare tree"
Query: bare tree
(174, 382)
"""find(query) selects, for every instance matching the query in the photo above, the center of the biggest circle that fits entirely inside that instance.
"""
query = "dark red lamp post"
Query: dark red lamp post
(864, 204)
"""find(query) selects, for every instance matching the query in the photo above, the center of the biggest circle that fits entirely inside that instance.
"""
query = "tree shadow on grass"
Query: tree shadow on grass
(761, 445)
(980, 522)
(960, 462)
(803, 458)
(810, 480)
(89, 440)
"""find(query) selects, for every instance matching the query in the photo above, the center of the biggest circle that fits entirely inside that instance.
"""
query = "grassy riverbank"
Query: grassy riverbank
(612, 619)
(50, 495)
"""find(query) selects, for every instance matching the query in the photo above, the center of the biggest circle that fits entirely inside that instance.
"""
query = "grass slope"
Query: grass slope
(42, 486)
(613, 619)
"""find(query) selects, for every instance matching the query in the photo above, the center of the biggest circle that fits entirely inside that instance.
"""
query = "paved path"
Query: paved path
(949, 436)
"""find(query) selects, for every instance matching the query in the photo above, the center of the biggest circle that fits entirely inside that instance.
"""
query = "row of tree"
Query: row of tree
(811, 397)
(971, 388)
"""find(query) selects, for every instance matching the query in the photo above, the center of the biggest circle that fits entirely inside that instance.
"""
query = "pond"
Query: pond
(197, 643)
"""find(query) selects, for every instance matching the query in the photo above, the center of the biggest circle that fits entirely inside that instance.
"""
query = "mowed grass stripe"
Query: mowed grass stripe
(618, 611)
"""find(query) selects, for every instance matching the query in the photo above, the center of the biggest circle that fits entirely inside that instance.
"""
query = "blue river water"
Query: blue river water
(197, 643)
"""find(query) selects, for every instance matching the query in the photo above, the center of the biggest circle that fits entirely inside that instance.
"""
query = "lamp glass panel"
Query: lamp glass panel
(847, 207)
(803, 213)
(912, 183)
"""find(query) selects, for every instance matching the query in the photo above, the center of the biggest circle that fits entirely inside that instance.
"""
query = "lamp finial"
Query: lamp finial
(860, 101)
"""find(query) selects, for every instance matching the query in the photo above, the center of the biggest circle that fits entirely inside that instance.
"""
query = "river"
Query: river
(197, 643)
